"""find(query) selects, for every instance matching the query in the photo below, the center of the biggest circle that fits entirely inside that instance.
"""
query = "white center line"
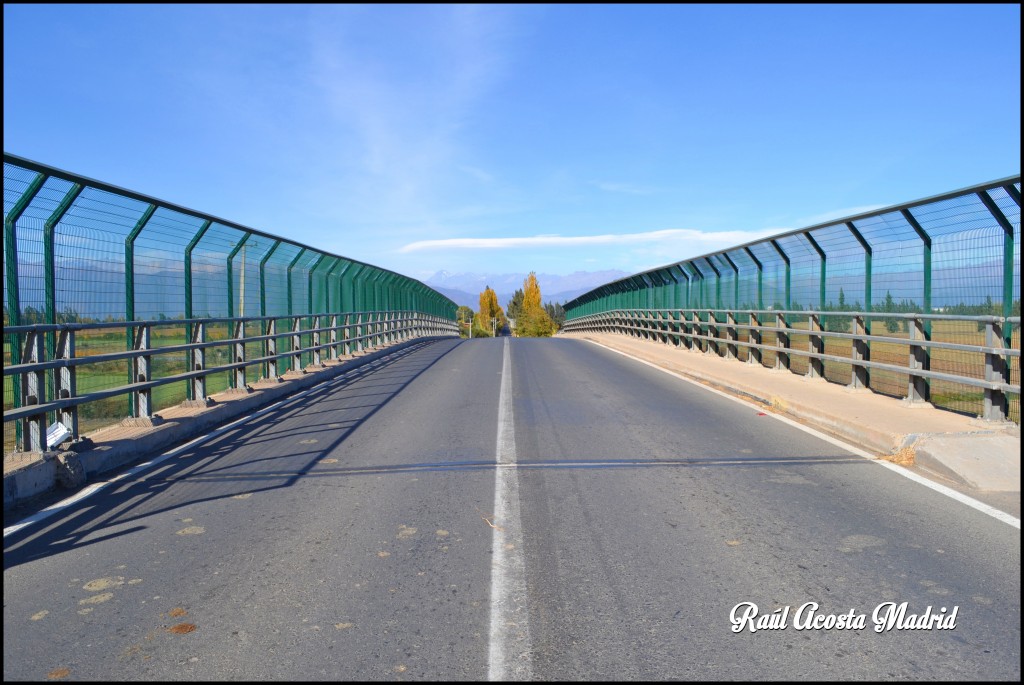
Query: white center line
(509, 655)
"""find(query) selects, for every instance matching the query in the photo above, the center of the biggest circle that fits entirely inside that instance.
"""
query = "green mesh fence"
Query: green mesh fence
(78, 250)
(957, 254)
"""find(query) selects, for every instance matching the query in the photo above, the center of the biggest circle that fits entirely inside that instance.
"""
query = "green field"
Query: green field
(112, 374)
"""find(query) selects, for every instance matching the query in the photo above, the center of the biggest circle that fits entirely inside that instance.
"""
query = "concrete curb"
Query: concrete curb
(130, 443)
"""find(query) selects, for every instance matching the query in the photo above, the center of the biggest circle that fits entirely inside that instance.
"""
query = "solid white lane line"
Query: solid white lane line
(509, 653)
(937, 487)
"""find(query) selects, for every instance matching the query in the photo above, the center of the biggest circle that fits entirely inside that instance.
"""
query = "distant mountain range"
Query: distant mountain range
(465, 288)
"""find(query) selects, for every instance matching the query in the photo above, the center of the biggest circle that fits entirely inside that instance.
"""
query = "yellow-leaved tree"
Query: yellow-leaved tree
(491, 317)
(533, 321)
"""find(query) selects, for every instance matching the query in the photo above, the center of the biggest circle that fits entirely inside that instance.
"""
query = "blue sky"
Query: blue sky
(512, 138)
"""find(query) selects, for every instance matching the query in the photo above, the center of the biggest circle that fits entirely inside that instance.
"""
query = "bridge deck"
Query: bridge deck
(502, 508)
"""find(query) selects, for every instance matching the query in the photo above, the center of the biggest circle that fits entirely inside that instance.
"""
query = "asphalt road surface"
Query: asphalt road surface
(512, 509)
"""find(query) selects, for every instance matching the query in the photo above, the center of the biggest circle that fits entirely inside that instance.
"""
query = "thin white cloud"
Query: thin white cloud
(399, 143)
(712, 240)
(477, 173)
(627, 188)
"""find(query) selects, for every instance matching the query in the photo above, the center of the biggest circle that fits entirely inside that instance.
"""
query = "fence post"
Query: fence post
(33, 389)
(815, 344)
(142, 372)
(316, 341)
(334, 337)
(781, 343)
(917, 386)
(996, 369)
(731, 348)
(297, 344)
(926, 242)
(189, 330)
(129, 282)
(713, 333)
(859, 353)
(263, 304)
(271, 347)
(66, 381)
(198, 384)
(754, 356)
(239, 344)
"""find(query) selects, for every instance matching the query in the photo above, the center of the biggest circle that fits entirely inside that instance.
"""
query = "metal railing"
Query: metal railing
(282, 342)
(839, 346)
(82, 256)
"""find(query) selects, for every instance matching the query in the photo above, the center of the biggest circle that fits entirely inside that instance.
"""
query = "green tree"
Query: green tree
(891, 324)
(515, 305)
(464, 315)
(556, 313)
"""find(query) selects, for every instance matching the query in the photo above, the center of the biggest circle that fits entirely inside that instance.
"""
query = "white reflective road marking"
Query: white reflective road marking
(937, 487)
(509, 654)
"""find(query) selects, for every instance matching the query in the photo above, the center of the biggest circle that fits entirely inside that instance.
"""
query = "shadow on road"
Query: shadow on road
(230, 464)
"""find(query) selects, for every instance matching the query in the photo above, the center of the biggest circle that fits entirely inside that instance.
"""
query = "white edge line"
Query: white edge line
(92, 489)
(938, 487)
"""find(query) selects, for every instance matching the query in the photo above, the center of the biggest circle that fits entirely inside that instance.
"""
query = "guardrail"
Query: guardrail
(770, 338)
(282, 340)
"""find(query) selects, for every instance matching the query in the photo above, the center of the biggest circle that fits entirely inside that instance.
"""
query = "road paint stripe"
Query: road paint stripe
(92, 489)
(906, 473)
(509, 653)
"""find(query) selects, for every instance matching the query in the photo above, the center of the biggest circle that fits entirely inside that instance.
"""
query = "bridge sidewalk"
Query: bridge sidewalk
(975, 454)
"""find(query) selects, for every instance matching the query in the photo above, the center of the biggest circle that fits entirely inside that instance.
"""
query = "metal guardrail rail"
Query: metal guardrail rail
(956, 254)
(82, 252)
(317, 335)
(727, 332)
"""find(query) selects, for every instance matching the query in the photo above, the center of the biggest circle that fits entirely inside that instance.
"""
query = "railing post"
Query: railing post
(782, 343)
(198, 384)
(917, 386)
(859, 378)
(316, 341)
(33, 387)
(996, 369)
(296, 344)
(141, 372)
(712, 342)
(239, 344)
(66, 381)
(754, 355)
(731, 348)
(273, 372)
(334, 337)
(815, 344)
(347, 335)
